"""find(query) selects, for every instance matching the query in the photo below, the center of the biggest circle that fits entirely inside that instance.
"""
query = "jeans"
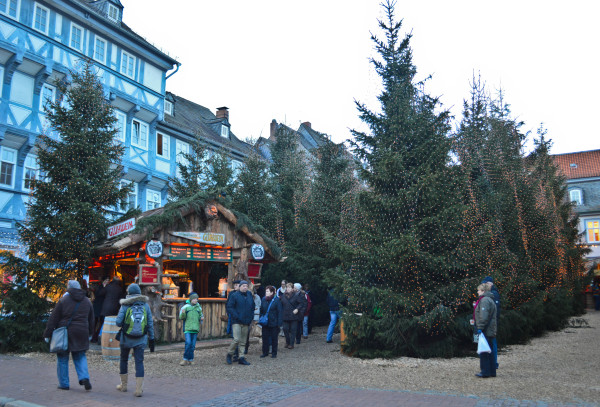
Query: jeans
(289, 331)
(299, 332)
(494, 346)
(240, 333)
(62, 367)
(486, 362)
(138, 356)
(190, 346)
(334, 315)
(270, 338)
(305, 326)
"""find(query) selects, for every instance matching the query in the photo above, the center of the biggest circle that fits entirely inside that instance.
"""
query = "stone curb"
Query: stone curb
(8, 402)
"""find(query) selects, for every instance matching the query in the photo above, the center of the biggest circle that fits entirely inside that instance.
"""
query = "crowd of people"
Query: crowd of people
(284, 311)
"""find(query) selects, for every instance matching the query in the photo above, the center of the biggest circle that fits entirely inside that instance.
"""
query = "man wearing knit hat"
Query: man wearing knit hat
(240, 308)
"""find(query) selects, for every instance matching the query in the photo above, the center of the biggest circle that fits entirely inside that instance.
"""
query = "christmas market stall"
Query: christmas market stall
(182, 248)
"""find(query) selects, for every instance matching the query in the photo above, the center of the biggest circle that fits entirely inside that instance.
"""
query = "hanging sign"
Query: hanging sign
(154, 249)
(202, 237)
(121, 228)
(148, 274)
(257, 251)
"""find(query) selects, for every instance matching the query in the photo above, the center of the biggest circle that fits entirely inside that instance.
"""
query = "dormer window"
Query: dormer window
(113, 13)
(168, 108)
(576, 196)
(224, 131)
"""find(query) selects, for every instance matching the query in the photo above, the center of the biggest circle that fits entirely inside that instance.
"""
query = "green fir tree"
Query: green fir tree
(81, 172)
(401, 286)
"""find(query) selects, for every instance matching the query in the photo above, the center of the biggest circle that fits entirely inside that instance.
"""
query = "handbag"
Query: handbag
(264, 320)
(60, 336)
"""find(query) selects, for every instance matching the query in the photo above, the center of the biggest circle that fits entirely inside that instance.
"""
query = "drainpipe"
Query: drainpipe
(174, 72)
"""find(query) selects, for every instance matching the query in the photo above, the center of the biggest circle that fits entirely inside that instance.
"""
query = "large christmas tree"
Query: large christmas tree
(402, 281)
(81, 172)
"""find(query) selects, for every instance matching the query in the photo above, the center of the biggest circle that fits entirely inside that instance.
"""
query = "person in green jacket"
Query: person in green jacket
(192, 316)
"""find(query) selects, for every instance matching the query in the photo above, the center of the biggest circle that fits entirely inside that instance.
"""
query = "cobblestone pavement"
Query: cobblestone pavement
(32, 381)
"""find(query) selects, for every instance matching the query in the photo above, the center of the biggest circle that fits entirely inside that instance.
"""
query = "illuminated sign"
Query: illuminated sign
(154, 249)
(200, 253)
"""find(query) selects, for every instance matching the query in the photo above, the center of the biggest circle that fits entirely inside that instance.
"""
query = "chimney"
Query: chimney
(307, 124)
(273, 129)
(223, 112)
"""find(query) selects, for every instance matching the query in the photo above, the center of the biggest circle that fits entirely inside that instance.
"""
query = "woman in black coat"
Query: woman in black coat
(272, 304)
(292, 307)
(74, 306)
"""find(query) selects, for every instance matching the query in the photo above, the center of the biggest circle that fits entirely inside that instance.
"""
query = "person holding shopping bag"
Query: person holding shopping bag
(485, 323)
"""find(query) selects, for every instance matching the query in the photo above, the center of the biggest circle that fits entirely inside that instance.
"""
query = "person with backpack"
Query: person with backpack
(137, 329)
(192, 316)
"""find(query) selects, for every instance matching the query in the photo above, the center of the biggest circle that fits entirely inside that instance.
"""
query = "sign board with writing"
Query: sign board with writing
(120, 228)
(200, 253)
(148, 274)
(217, 239)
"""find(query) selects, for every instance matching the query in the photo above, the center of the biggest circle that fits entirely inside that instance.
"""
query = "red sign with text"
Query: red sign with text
(148, 274)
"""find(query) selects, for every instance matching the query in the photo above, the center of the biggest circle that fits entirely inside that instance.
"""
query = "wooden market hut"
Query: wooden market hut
(198, 245)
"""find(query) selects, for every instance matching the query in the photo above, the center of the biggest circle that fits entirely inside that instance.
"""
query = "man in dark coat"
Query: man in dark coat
(114, 293)
(240, 308)
(99, 295)
(496, 294)
(75, 307)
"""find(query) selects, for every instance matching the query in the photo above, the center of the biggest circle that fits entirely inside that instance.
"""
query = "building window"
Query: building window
(168, 108)
(181, 148)
(575, 195)
(8, 163)
(127, 64)
(139, 134)
(162, 145)
(152, 199)
(100, 50)
(10, 8)
(41, 15)
(224, 131)
(76, 37)
(47, 95)
(113, 13)
(120, 125)
(31, 171)
(593, 230)
(131, 201)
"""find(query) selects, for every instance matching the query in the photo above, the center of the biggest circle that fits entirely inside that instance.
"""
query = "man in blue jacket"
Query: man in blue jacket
(240, 308)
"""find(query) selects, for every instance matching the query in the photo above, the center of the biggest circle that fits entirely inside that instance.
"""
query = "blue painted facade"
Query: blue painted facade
(41, 42)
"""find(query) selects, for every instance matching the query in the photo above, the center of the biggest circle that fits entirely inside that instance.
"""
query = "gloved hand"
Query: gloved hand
(479, 331)
(151, 345)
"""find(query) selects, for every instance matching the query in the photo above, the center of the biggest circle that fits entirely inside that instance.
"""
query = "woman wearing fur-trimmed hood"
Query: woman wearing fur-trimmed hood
(138, 343)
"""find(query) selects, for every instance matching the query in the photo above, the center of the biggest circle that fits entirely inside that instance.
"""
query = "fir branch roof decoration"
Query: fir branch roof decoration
(147, 223)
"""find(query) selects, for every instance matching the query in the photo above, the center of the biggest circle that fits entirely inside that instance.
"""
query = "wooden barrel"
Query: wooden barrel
(110, 346)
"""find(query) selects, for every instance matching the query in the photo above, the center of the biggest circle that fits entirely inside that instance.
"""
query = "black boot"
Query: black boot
(243, 361)
(229, 361)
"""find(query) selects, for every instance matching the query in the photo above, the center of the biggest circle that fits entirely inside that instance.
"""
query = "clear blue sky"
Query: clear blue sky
(308, 61)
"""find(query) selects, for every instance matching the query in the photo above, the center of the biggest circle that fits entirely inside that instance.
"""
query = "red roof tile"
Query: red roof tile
(584, 164)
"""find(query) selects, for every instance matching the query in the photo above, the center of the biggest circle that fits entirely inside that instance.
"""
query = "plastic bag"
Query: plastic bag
(482, 345)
